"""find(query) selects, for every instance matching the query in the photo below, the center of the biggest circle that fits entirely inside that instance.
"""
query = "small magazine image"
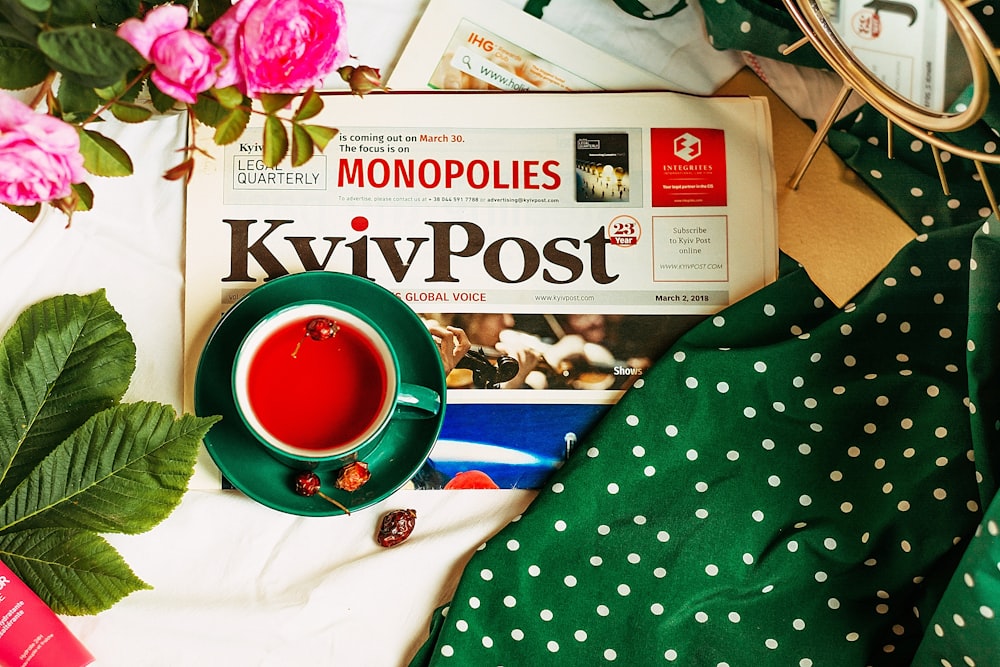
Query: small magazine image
(602, 167)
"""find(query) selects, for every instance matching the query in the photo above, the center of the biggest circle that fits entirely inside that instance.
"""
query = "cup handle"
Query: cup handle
(417, 402)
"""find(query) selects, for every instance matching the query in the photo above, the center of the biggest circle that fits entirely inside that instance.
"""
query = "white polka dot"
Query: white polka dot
(545, 615)
(757, 516)
(679, 356)
(711, 570)
(553, 646)
(749, 412)
(559, 525)
(639, 520)
(760, 366)
(569, 580)
(745, 27)
(596, 561)
(748, 558)
(774, 480)
(771, 643)
(513, 545)
(488, 642)
(691, 382)
(657, 609)
(593, 452)
(509, 601)
(602, 610)
(722, 387)
(734, 616)
(663, 536)
(603, 529)
(474, 602)
(701, 617)
(719, 321)
(701, 513)
(769, 309)
(638, 451)
(691, 454)
(447, 651)
(534, 570)
(632, 420)
(613, 488)
(558, 487)
(580, 635)
(670, 655)
(610, 654)
(486, 574)
(461, 625)
(671, 430)
(517, 634)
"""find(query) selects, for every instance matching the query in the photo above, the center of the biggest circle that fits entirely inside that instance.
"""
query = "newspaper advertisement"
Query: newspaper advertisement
(488, 45)
(577, 235)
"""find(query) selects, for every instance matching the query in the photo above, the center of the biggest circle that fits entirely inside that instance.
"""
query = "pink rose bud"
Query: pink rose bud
(280, 46)
(362, 79)
(185, 61)
(39, 155)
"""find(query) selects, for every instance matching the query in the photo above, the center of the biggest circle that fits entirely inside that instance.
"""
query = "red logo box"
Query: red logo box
(688, 166)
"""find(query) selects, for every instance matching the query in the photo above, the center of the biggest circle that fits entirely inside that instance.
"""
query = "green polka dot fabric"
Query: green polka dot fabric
(791, 484)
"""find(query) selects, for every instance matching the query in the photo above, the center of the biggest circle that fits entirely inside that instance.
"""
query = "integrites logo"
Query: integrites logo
(448, 246)
(432, 174)
(688, 148)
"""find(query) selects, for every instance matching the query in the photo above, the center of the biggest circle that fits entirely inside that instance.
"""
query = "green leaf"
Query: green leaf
(161, 101)
(74, 571)
(275, 141)
(85, 195)
(95, 57)
(310, 106)
(321, 134)
(61, 361)
(208, 111)
(302, 146)
(272, 102)
(37, 5)
(124, 470)
(29, 213)
(210, 10)
(76, 100)
(131, 113)
(102, 156)
(231, 127)
(230, 97)
(21, 67)
(114, 12)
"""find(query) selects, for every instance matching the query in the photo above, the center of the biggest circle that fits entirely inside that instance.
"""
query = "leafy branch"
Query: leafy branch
(75, 462)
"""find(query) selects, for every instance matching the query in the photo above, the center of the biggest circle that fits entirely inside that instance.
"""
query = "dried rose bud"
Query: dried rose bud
(321, 328)
(362, 79)
(396, 526)
(353, 476)
(307, 484)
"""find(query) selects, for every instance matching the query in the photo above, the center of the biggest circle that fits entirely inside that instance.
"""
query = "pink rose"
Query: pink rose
(185, 60)
(39, 155)
(280, 46)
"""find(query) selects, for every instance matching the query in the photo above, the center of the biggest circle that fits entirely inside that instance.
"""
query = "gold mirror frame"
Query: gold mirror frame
(919, 121)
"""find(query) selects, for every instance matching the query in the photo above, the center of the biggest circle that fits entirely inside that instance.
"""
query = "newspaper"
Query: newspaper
(489, 45)
(576, 233)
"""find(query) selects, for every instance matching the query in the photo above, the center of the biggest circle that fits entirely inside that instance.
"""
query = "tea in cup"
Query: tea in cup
(318, 383)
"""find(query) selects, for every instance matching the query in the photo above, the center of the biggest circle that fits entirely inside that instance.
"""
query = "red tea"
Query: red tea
(317, 394)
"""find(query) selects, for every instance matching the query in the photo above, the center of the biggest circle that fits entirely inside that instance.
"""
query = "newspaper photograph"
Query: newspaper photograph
(485, 45)
(572, 237)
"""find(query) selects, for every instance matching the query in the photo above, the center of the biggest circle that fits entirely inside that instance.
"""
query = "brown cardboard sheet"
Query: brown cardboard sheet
(833, 224)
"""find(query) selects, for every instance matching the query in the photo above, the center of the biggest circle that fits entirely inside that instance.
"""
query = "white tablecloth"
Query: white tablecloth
(235, 583)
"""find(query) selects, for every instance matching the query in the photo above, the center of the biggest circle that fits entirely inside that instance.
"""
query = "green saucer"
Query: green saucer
(247, 465)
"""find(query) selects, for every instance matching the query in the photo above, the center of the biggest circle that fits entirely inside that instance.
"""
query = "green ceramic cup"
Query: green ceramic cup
(318, 383)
